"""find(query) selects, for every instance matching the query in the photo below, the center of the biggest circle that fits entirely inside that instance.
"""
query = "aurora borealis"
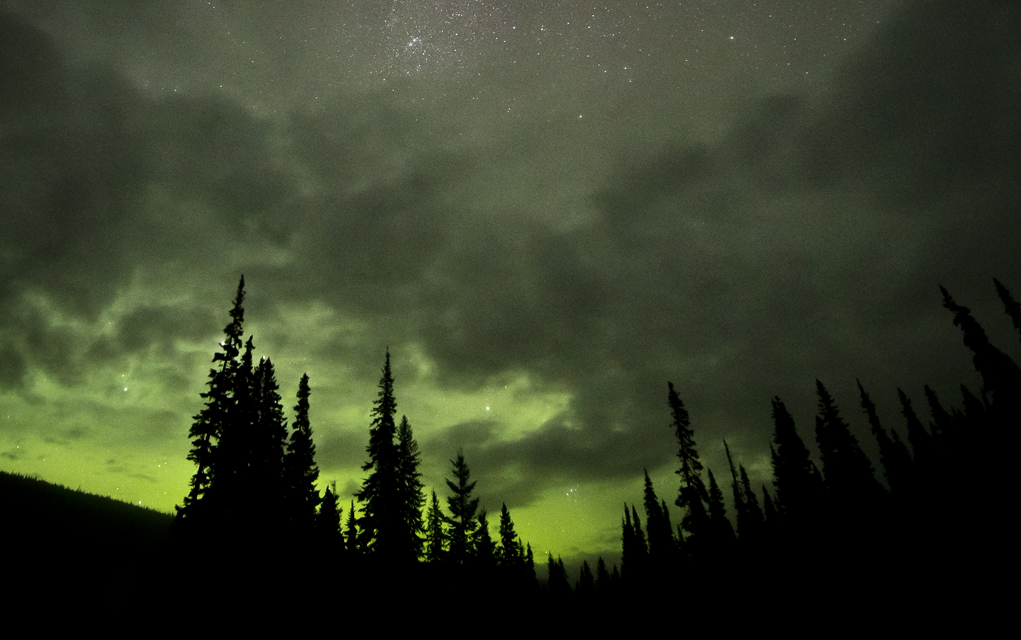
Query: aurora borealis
(545, 210)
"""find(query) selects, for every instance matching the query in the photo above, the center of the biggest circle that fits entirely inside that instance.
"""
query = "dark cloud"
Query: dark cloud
(791, 249)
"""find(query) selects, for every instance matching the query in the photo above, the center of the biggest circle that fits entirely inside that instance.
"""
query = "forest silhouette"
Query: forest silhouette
(921, 532)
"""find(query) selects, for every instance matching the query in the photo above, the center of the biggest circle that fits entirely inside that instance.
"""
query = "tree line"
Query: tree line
(935, 506)
(926, 530)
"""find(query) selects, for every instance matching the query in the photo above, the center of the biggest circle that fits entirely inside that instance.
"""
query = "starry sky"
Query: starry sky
(545, 210)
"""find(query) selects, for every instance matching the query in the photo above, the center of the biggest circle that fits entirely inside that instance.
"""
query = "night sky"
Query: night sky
(546, 210)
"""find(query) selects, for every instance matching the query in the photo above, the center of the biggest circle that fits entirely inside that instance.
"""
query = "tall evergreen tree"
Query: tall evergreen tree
(586, 585)
(692, 496)
(738, 492)
(237, 487)
(634, 552)
(942, 422)
(409, 486)
(640, 539)
(1011, 306)
(893, 454)
(436, 537)
(602, 577)
(657, 520)
(381, 521)
(510, 553)
(529, 563)
(846, 469)
(483, 549)
(755, 521)
(327, 521)
(1001, 377)
(352, 541)
(796, 479)
(263, 478)
(209, 423)
(299, 465)
(462, 510)
(918, 436)
(723, 530)
(558, 585)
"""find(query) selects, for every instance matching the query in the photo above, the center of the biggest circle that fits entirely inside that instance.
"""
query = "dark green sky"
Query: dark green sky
(545, 209)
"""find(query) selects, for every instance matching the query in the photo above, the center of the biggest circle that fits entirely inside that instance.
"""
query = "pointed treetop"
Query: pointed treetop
(1011, 306)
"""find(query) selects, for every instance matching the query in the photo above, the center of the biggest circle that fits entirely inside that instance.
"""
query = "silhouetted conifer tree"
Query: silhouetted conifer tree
(586, 585)
(510, 553)
(692, 496)
(264, 483)
(1011, 306)
(723, 530)
(602, 576)
(462, 510)
(918, 437)
(300, 468)
(382, 518)
(327, 521)
(199, 505)
(633, 549)
(942, 423)
(352, 541)
(483, 549)
(739, 499)
(846, 469)
(409, 486)
(1001, 377)
(436, 537)
(660, 531)
(796, 478)
(893, 454)
(558, 585)
(529, 562)
(755, 521)
(640, 539)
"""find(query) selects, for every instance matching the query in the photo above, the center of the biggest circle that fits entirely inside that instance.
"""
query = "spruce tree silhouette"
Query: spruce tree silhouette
(409, 487)
(558, 587)
(462, 511)
(199, 511)
(794, 517)
(436, 537)
(738, 493)
(352, 540)
(1011, 306)
(662, 548)
(918, 436)
(483, 548)
(327, 523)
(692, 497)
(893, 454)
(509, 553)
(1001, 377)
(300, 469)
(722, 529)
(603, 586)
(585, 588)
(382, 518)
(847, 471)
(756, 522)
(262, 482)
